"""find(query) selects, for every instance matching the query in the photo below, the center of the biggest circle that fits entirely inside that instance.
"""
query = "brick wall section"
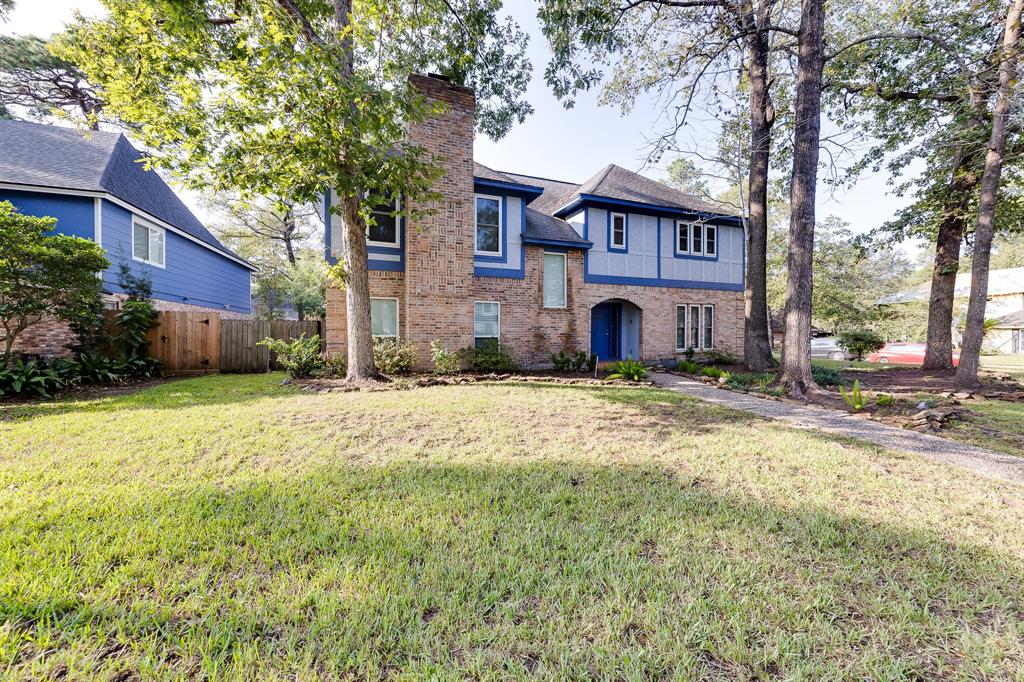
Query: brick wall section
(383, 284)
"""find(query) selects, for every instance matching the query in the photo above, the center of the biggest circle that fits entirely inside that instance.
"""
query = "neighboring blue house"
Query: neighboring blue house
(95, 186)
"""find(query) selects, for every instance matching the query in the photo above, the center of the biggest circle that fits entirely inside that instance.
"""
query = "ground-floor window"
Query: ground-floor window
(384, 317)
(554, 280)
(695, 327)
(486, 322)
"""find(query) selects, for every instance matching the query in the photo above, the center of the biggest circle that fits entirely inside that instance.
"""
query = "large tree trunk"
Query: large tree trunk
(357, 291)
(757, 345)
(939, 350)
(796, 348)
(967, 372)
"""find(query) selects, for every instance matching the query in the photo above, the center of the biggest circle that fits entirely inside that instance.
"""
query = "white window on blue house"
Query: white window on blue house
(697, 239)
(618, 231)
(682, 237)
(148, 243)
(488, 225)
(384, 231)
(486, 322)
(554, 280)
(710, 240)
(384, 317)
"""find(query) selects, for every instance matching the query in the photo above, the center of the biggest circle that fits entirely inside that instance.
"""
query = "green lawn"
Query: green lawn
(996, 424)
(230, 527)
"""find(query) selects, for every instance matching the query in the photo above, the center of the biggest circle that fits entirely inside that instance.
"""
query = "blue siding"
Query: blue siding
(193, 274)
(75, 215)
(390, 258)
(511, 262)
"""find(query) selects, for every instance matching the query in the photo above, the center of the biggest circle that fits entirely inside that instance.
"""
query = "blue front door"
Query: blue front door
(604, 331)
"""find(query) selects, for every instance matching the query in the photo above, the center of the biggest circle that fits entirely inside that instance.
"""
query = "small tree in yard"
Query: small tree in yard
(860, 343)
(43, 276)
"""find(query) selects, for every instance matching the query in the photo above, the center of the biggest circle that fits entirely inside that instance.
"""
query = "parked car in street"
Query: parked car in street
(904, 354)
(827, 347)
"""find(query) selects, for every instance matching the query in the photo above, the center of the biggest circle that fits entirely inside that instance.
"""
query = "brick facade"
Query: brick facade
(438, 288)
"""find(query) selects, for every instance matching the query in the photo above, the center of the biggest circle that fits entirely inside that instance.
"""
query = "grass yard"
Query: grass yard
(231, 527)
(996, 424)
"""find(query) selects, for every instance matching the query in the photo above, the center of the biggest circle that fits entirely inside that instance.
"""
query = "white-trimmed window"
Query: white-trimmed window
(384, 317)
(682, 237)
(488, 225)
(486, 322)
(618, 231)
(554, 280)
(384, 231)
(148, 243)
(697, 239)
(695, 327)
(710, 240)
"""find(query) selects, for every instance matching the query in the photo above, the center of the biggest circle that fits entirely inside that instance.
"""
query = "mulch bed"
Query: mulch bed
(324, 385)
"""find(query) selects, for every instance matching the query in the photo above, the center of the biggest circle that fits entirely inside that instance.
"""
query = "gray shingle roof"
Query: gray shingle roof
(482, 171)
(1000, 283)
(615, 182)
(1011, 321)
(556, 192)
(549, 228)
(35, 154)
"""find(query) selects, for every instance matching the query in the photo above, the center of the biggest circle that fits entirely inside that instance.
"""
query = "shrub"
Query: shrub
(445, 361)
(628, 369)
(134, 321)
(688, 366)
(96, 368)
(739, 380)
(490, 356)
(860, 343)
(300, 357)
(584, 362)
(855, 399)
(394, 356)
(21, 377)
(720, 357)
(333, 365)
(826, 376)
(714, 372)
(688, 354)
(885, 400)
(561, 362)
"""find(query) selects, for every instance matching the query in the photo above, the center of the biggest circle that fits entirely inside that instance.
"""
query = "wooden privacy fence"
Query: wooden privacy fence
(193, 343)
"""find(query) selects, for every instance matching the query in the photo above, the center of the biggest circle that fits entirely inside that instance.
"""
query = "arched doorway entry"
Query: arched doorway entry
(615, 330)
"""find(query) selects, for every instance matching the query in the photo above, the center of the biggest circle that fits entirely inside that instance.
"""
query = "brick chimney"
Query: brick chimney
(439, 247)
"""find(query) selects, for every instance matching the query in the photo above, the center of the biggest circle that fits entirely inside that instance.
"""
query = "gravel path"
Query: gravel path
(979, 460)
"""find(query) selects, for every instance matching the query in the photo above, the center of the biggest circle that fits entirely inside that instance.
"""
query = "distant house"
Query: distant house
(1005, 305)
(96, 188)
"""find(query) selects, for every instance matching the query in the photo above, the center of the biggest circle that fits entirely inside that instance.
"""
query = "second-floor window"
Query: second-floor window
(618, 238)
(682, 237)
(488, 225)
(147, 243)
(384, 231)
(697, 239)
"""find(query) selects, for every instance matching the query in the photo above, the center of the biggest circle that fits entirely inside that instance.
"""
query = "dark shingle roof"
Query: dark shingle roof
(549, 228)
(1011, 321)
(556, 192)
(616, 182)
(63, 158)
(482, 171)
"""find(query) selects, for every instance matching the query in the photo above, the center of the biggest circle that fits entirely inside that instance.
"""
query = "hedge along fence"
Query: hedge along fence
(200, 343)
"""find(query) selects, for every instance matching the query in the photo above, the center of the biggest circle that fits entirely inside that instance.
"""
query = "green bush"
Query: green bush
(628, 369)
(826, 376)
(21, 377)
(97, 368)
(490, 356)
(885, 400)
(394, 356)
(720, 357)
(333, 365)
(445, 361)
(714, 373)
(688, 353)
(561, 362)
(742, 381)
(300, 357)
(860, 343)
(689, 367)
(579, 361)
(134, 321)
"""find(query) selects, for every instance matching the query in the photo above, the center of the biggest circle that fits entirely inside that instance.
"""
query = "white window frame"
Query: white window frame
(398, 318)
(710, 229)
(688, 325)
(695, 241)
(611, 231)
(501, 229)
(398, 227)
(565, 283)
(138, 222)
(689, 231)
(498, 337)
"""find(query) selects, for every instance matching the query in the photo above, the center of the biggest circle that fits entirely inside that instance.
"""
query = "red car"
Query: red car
(904, 354)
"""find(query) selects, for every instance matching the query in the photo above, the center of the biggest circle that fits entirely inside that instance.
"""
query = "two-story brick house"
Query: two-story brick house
(619, 265)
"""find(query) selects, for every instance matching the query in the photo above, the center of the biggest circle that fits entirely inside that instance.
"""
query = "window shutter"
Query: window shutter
(485, 320)
(554, 280)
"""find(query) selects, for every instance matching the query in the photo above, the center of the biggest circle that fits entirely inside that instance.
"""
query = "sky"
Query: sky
(554, 142)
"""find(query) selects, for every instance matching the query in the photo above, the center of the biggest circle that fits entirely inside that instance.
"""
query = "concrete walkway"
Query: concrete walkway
(981, 461)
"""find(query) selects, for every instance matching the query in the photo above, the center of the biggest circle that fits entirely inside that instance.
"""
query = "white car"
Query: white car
(828, 348)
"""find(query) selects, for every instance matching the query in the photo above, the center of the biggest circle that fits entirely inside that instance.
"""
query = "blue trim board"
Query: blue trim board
(532, 241)
(504, 273)
(651, 209)
(625, 228)
(372, 264)
(651, 282)
(658, 248)
(526, 192)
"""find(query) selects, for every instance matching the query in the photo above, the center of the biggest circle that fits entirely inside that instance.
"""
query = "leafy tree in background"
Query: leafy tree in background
(31, 77)
(282, 98)
(43, 275)
(684, 175)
